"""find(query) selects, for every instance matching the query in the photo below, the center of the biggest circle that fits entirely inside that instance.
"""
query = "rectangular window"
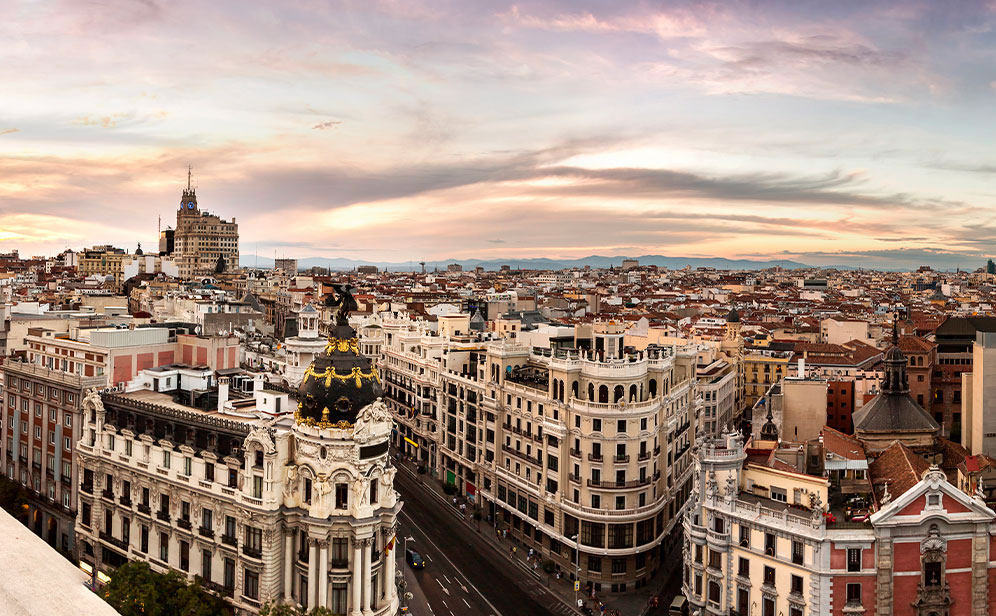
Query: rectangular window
(769, 575)
(164, 547)
(206, 565)
(257, 486)
(341, 496)
(743, 568)
(595, 564)
(251, 589)
(229, 574)
(166, 459)
(144, 539)
(853, 559)
(744, 536)
(797, 584)
(854, 593)
(184, 556)
(769, 544)
(798, 551)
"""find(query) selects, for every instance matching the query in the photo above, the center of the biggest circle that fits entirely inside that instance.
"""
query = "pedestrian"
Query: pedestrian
(535, 564)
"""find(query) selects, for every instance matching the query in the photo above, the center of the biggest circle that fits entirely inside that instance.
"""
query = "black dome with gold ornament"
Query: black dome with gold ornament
(340, 382)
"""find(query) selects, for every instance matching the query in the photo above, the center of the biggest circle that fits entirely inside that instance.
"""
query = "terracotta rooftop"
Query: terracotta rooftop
(842, 445)
(898, 467)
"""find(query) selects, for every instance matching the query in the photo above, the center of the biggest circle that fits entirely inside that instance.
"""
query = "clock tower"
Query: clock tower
(188, 202)
(202, 239)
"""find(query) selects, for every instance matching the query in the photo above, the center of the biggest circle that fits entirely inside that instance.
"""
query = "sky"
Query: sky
(853, 133)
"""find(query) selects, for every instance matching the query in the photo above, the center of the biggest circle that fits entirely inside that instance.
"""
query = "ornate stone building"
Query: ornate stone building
(202, 242)
(838, 525)
(580, 452)
(263, 505)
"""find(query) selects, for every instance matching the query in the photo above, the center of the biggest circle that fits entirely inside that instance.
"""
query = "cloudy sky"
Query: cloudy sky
(826, 132)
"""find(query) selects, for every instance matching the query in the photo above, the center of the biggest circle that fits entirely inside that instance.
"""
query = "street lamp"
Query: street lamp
(577, 569)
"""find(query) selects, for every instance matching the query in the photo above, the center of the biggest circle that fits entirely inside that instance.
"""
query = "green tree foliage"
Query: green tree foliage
(137, 590)
(12, 497)
(279, 609)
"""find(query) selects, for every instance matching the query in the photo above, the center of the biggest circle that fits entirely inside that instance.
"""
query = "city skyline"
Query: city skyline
(846, 134)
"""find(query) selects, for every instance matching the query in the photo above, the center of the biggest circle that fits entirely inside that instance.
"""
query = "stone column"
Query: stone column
(367, 575)
(312, 572)
(355, 583)
(389, 574)
(288, 564)
(323, 573)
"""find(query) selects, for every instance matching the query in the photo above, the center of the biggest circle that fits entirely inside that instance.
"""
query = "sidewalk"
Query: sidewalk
(632, 603)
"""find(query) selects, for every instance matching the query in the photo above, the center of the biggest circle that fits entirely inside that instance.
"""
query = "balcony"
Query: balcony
(163, 515)
(230, 540)
(252, 552)
(205, 532)
(618, 485)
(183, 523)
(575, 454)
(521, 454)
(124, 500)
(644, 455)
(118, 543)
(87, 487)
(108, 494)
(143, 508)
(720, 541)
(624, 458)
(66, 479)
(593, 458)
(218, 588)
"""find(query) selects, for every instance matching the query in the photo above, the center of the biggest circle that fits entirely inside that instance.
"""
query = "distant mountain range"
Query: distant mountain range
(595, 261)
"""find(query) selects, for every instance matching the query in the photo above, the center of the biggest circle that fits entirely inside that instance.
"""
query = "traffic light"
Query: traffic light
(577, 585)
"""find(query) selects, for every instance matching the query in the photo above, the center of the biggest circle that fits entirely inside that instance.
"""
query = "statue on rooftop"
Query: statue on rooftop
(343, 300)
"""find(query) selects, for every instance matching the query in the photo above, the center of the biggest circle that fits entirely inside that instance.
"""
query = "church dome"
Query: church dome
(338, 384)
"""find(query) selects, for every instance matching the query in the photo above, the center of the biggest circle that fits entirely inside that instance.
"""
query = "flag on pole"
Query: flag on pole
(390, 546)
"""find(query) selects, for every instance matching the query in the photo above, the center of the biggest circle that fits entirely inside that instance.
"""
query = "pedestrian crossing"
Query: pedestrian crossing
(563, 608)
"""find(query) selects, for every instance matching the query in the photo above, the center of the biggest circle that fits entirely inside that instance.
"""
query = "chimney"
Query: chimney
(222, 393)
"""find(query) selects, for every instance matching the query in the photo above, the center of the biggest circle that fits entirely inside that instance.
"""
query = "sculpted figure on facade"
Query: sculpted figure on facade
(290, 483)
(322, 489)
(359, 491)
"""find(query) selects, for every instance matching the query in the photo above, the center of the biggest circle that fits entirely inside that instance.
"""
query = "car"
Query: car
(414, 559)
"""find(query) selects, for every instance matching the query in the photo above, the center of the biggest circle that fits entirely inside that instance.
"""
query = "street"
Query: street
(463, 575)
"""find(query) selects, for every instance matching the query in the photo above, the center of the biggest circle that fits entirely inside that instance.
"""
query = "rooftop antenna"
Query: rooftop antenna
(188, 177)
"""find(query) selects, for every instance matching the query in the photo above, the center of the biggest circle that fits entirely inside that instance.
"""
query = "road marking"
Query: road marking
(465, 602)
(444, 604)
(455, 568)
(428, 558)
(447, 579)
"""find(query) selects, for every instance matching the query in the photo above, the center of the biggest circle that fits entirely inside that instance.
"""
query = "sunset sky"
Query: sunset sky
(825, 132)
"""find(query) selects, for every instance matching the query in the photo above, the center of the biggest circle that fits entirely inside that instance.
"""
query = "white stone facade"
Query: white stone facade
(567, 450)
(262, 509)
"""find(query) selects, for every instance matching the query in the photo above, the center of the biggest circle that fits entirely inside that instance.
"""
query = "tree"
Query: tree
(137, 590)
(280, 609)
(133, 590)
(12, 498)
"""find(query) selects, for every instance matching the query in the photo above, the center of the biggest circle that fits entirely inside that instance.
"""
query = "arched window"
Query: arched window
(618, 393)
(591, 392)
(632, 392)
(653, 388)
(603, 393)
(574, 389)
